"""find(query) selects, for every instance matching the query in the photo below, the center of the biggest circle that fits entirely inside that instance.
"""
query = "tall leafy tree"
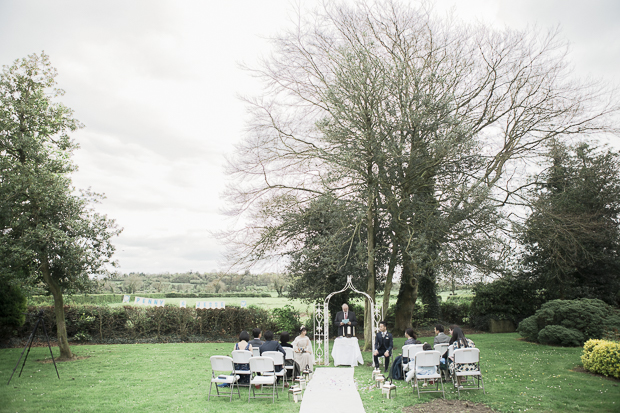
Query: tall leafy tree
(572, 236)
(48, 233)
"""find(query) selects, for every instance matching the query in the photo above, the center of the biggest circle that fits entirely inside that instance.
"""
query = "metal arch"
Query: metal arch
(324, 348)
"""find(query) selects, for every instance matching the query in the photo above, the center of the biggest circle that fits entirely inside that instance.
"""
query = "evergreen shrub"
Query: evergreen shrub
(580, 320)
(12, 307)
(509, 298)
(456, 310)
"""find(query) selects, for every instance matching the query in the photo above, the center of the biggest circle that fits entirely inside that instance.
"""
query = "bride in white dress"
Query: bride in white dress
(302, 349)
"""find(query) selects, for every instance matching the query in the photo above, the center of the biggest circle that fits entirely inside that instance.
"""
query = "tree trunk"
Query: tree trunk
(59, 310)
(407, 297)
(427, 291)
(388, 281)
(371, 288)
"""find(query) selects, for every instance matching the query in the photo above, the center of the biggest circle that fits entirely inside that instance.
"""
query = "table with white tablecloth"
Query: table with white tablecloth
(347, 352)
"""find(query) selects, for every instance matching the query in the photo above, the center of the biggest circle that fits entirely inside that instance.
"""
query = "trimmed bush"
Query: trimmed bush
(580, 320)
(12, 307)
(507, 298)
(287, 318)
(602, 356)
(455, 310)
(560, 336)
(136, 323)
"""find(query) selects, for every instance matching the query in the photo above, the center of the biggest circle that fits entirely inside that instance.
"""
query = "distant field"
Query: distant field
(276, 302)
(263, 302)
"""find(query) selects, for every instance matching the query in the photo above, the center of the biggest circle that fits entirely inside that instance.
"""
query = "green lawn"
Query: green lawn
(162, 377)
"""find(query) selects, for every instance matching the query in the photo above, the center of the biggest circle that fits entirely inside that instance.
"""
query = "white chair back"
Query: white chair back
(406, 348)
(289, 353)
(466, 355)
(441, 347)
(427, 359)
(222, 363)
(241, 356)
(413, 350)
(261, 365)
(276, 356)
(256, 351)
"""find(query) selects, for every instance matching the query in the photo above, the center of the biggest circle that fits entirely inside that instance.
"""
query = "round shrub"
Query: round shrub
(528, 328)
(591, 318)
(559, 335)
(602, 356)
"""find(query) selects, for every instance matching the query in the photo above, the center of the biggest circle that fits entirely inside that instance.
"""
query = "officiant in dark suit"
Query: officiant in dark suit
(383, 345)
(345, 321)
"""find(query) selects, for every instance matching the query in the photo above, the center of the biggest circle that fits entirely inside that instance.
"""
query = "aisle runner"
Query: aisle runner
(332, 390)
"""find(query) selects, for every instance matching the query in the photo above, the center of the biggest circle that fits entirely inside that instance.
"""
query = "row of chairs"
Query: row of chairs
(262, 371)
(464, 356)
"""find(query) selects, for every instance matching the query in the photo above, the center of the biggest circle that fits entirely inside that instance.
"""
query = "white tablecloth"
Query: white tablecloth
(347, 352)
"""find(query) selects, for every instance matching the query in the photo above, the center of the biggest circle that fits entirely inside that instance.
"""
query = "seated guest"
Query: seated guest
(440, 337)
(285, 337)
(383, 345)
(271, 345)
(302, 348)
(421, 371)
(457, 341)
(243, 344)
(256, 342)
(411, 337)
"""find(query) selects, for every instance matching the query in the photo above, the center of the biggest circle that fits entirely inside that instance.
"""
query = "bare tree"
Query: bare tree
(417, 121)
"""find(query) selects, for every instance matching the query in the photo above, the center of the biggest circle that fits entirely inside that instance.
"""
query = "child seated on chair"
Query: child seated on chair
(421, 371)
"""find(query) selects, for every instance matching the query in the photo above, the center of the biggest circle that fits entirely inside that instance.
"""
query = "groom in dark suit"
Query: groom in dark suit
(345, 329)
(383, 345)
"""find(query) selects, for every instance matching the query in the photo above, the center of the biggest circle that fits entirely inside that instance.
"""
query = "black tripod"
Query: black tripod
(29, 345)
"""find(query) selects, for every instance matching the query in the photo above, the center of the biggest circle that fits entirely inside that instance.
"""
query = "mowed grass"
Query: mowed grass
(519, 376)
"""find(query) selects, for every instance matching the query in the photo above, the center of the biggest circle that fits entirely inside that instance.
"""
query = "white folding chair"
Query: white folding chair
(256, 351)
(441, 348)
(404, 356)
(429, 359)
(223, 363)
(412, 350)
(262, 369)
(278, 360)
(469, 359)
(242, 357)
(289, 360)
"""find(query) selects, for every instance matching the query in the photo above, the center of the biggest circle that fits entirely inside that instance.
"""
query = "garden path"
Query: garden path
(332, 390)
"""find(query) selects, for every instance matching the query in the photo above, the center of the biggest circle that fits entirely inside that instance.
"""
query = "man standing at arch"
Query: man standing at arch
(345, 321)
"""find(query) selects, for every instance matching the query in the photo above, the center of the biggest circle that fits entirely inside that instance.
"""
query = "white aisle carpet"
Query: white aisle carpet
(332, 390)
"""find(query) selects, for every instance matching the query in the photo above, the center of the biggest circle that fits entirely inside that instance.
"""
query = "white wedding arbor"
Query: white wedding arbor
(322, 320)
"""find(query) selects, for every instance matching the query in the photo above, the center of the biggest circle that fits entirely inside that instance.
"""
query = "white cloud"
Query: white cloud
(155, 83)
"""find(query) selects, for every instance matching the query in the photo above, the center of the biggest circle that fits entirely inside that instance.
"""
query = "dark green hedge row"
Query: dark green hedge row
(132, 323)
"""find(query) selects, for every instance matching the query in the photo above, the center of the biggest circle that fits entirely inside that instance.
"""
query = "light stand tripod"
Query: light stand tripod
(29, 345)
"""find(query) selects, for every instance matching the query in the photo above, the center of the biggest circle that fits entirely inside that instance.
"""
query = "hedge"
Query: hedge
(602, 356)
(105, 324)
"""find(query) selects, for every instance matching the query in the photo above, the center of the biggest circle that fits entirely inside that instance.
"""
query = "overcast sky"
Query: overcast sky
(156, 83)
